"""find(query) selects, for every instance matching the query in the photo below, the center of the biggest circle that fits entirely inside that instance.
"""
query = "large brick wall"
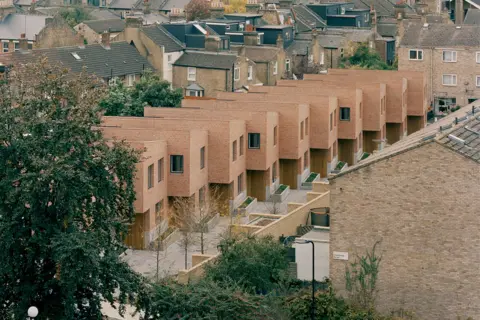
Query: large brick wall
(423, 205)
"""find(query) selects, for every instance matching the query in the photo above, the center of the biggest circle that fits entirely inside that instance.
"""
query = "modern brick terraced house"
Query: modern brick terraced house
(425, 219)
(323, 131)
(293, 134)
(226, 154)
(184, 163)
(262, 163)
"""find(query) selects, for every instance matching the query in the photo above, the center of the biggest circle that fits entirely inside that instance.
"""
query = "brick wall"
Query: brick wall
(427, 221)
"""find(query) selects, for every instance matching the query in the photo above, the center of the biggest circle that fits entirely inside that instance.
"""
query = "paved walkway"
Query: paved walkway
(173, 259)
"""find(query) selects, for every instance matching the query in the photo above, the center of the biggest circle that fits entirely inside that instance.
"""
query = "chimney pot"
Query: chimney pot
(106, 39)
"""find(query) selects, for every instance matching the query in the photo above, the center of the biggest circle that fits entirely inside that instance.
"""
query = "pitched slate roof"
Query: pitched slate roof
(299, 47)
(112, 25)
(100, 14)
(162, 37)
(306, 19)
(123, 4)
(121, 59)
(14, 24)
(261, 53)
(455, 123)
(472, 17)
(209, 60)
(439, 34)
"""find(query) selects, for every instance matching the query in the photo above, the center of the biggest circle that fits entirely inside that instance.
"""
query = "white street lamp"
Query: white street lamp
(32, 312)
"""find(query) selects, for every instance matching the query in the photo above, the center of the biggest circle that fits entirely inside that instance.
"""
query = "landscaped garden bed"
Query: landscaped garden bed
(307, 184)
(339, 167)
(365, 155)
(281, 193)
(246, 206)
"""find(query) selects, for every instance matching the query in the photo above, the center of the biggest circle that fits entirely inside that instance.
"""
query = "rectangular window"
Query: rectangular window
(360, 110)
(250, 73)
(322, 58)
(192, 74)
(234, 150)
(478, 57)
(30, 45)
(130, 80)
(302, 130)
(342, 10)
(275, 68)
(5, 46)
(16, 46)
(274, 171)
(158, 212)
(254, 141)
(478, 81)
(160, 170)
(259, 40)
(150, 176)
(306, 127)
(335, 117)
(305, 160)
(415, 54)
(236, 73)
(449, 56)
(449, 79)
(201, 196)
(331, 121)
(344, 114)
(241, 145)
(176, 163)
(202, 157)
(287, 65)
(275, 135)
(240, 183)
(366, 17)
(287, 36)
(169, 61)
(342, 51)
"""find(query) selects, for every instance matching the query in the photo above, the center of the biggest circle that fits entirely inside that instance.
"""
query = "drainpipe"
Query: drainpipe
(226, 80)
(268, 73)
(233, 77)
(432, 100)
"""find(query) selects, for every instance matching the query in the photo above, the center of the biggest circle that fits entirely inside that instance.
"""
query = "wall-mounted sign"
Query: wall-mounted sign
(337, 255)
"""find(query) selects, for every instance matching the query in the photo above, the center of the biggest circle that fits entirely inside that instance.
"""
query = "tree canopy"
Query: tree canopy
(74, 15)
(365, 58)
(151, 90)
(197, 10)
(66, 198)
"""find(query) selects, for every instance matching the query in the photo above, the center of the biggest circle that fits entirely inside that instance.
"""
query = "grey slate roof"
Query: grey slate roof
(175, 4)
(299, 47)
(387, 29)
(331, 41)
(470, 133)
(121, 59)
(209, 60)
(194, 86)
(306, 19)
(100, 14)
(261, 53)
(472, 17)
(162, 37)
(14, 24)
(99, 26)
(438, 34)
(123, 4)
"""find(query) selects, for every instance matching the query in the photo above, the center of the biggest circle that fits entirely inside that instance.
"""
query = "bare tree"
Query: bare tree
(207, 209)
(183, 218)
(305, 66)
(273, 206)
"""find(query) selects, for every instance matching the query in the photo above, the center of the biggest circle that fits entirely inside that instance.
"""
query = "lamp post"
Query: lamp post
(300, 241)
(32, 312)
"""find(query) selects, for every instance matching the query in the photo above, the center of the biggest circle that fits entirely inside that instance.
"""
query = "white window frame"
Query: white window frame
(275, 68)
(417, 54)
(477, 57)
(169, 61)
(453, 57)
(130, 80)
(112, 81)
(236, 73)
(342, 10)
(250, 73)
(342, 52)
(477, 80)
(191, 74)
(366, 17)
(16, 46)
(287, 65)
(5, 49)
(359, 24)
(322, 58)
(454, 77)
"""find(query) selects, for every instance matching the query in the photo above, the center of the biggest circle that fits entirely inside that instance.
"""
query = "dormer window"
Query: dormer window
(342, 10)
(227, 27)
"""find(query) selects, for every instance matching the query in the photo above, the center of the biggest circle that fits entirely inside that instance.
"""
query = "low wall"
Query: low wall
(285, 225)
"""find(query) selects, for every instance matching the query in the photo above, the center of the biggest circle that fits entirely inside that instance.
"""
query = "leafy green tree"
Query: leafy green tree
(204, 300)
(365, 58)
(74, 15)
(149, 91)
(65, 198)
(197, 10)
(256, 264)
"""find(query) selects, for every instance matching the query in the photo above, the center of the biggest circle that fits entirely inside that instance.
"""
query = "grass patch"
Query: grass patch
(365, 155)
(246, 202)
(167, 232)
(311, 177)
(280, 189)
(340, 165)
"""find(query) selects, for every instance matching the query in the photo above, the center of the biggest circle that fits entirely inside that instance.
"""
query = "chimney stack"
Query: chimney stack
(251, 38)
(459, 12)
(23, 43)
(212, 43)
(106, 39)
